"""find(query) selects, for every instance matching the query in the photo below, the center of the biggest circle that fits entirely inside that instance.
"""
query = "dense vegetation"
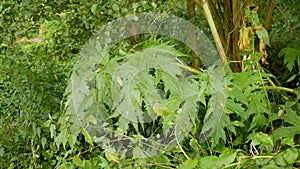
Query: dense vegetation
(244, 115)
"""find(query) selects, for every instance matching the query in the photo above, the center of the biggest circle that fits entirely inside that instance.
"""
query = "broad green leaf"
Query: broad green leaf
(43, 141)
(227, 156)
(257, 105)
(115, 7)
(282, 132)
(287, 157)
(65, 138)
(291, 155)
(292, 117)
(138, 152)
(236, 93)
(291, 55)
(235, 107)
(77, 161)
(87, 164)
(263, 34)
(58, 139)
(94, 9)
(215, 119)
(160, 159)
(260, 138)
(189, 164)
(288, 141)
(208, 162)
(259, 120)
(72, 138)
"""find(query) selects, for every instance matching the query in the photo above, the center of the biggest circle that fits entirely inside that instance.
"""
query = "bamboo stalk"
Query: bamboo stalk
(218, 19)
(214, 32)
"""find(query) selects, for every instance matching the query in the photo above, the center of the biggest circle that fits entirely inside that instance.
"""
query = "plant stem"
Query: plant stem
(193, 70)
(278, 88)
(214, 32)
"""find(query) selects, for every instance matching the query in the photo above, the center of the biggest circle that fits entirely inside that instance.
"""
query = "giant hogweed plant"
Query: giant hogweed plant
(143, 95)
(149, 102)
(144, 104)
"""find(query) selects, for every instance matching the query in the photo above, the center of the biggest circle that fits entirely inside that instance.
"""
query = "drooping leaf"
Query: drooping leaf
(263, 34)
(58, 140)
(72, 138)
(52, 130)
(87, 137)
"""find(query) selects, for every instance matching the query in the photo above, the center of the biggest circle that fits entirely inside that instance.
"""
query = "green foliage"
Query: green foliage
(291, 55)
(222, 120)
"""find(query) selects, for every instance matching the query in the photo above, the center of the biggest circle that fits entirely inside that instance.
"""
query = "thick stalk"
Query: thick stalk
(214, 32)
(218, 18)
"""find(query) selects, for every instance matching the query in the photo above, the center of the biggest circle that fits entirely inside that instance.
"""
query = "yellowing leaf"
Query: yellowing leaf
(262, 50)
(245, 40)
(112, 157)
(91, 119)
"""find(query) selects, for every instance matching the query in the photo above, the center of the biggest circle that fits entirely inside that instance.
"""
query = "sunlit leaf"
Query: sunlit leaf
(77, 161)
(87, 137)
(110, 156)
